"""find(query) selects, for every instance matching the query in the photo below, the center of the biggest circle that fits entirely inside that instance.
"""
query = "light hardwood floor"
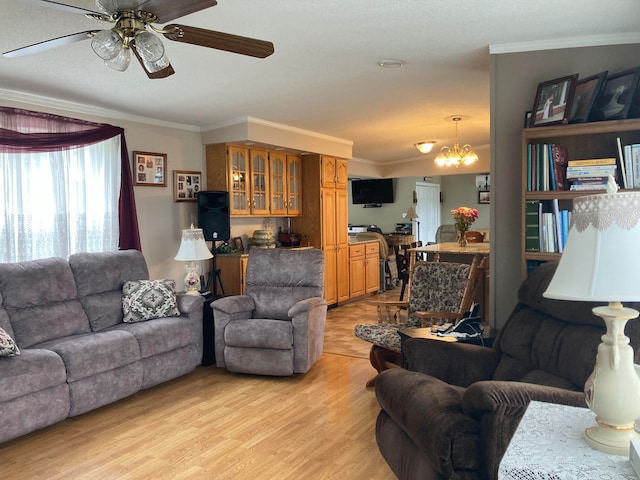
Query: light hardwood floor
(212, 424)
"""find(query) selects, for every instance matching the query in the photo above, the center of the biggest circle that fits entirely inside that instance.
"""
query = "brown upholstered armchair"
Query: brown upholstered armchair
(453, 411)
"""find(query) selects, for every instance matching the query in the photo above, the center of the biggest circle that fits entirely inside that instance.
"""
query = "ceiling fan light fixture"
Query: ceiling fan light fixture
(153, 67)
(121, 61)
(425, 147)
(107, 44)
(149, 46)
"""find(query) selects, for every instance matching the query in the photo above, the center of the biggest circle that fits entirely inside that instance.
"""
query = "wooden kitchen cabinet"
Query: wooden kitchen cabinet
(232, 273)
(286, 183)
(364, 270)
(324, 220)
(260, 182)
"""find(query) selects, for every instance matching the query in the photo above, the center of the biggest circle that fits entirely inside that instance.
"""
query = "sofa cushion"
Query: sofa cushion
(148, 299)
(39, 297)
(8, 347)
(99, 279)
(259, 333)
(92, 353)
(30, 372)
(162, 335)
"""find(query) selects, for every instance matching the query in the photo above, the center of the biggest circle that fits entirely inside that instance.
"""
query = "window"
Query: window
(59, 203)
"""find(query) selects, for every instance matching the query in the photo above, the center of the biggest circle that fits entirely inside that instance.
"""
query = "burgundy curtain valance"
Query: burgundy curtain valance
(26, 131)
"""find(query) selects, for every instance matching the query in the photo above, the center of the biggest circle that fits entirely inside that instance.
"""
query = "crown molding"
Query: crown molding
(48, 102)
(249, 120)
(574, 42)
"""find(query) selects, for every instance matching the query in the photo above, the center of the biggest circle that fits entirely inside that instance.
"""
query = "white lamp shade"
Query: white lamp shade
(193, 246)
(149, 46)
(107, 44)
(601, 259)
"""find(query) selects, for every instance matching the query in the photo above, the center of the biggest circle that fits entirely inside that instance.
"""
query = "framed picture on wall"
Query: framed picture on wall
(484, 196)
(150, 169)
(186, 185)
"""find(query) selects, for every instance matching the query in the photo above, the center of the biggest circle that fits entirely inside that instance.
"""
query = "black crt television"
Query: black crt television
(372, 191)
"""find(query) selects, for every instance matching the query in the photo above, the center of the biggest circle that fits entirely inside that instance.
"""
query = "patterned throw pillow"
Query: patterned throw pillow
(8, 347)
(148, 299)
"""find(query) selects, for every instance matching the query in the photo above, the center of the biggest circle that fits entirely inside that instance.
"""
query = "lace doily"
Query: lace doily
(548, 445)
(602, 211)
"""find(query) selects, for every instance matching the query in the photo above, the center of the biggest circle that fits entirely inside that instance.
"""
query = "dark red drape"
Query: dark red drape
(25, 131)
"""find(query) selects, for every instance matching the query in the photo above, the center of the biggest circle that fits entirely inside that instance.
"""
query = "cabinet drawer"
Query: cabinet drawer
(372, 248)
(356, 251)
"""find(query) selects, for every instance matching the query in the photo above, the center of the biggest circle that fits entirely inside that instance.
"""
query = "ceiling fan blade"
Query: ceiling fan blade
(71, 8)
(49, 44)
(164, 73)
(219, 40)
(167, 10)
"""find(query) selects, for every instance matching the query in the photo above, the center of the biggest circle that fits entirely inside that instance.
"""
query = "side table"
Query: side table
(208, 332)
(548, 445)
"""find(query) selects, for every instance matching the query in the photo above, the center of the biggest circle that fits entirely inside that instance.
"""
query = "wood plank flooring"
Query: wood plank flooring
(212, 424)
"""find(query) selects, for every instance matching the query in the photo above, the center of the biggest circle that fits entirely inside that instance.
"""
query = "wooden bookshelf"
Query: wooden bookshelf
(582, 140)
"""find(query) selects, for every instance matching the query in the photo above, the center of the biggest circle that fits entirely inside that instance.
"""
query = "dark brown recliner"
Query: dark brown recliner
(453, 411)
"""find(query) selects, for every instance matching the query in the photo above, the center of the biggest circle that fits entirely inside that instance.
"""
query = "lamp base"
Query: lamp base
(610, 440)
(192, 279)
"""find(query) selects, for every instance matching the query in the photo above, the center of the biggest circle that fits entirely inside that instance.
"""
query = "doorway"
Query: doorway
(428, 210)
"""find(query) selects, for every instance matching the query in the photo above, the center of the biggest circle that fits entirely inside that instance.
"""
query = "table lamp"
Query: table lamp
(601, 263)
(192, 249)
(412, 215)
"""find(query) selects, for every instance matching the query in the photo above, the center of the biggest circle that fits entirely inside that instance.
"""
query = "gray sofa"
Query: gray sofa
(452, 412)
(76, 354)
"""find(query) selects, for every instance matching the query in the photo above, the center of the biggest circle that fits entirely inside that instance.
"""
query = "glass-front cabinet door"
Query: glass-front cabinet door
(239, 169)
(259, 164)
(278, 170)
(294, 185)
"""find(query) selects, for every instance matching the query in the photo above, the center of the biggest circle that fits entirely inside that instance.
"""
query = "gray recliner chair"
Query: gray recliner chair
(277, 327)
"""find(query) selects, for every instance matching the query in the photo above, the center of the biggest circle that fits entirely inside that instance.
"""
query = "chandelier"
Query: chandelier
(455, 155)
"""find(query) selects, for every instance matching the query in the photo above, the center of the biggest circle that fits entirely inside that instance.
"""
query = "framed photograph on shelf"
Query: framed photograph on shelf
(186, 185)
(150, 169)
(586, 96)
(616, 97)
(484, 196)
(553, 101)
(238, 245)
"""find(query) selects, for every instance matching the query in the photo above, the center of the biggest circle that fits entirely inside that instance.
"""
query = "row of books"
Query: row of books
(546, 167)
(546, 226)
(549, 169)
(630, 160)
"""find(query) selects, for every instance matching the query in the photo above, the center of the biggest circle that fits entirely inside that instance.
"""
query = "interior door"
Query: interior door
(428, 210)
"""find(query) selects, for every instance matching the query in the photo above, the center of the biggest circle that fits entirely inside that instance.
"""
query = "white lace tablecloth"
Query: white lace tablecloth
(548, 445)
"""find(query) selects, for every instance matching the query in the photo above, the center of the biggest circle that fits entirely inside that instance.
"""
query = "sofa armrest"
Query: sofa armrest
(234, 304)
(455, 363)
(499, 407)
(189, 303)
(306, 305)
(512, 398)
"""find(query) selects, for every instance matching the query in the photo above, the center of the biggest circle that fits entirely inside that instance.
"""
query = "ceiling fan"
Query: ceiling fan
(133, 23)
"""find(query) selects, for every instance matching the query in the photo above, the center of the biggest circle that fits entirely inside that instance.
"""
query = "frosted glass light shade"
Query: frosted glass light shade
(121, 61)
(107, 44)
(149, 47)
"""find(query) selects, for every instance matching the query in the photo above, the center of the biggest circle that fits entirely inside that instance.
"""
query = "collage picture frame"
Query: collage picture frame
(150, 169)
(186, 185)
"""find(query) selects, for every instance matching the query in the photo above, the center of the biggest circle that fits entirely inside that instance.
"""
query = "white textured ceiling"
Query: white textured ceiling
(323, 75)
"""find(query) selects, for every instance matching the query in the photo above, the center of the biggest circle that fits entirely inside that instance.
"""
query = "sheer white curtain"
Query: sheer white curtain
(59, 203)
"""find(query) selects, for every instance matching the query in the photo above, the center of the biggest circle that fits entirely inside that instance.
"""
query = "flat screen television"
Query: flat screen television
(364, 192)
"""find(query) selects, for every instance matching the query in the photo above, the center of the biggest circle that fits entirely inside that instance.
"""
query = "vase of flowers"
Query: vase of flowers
(463, 217)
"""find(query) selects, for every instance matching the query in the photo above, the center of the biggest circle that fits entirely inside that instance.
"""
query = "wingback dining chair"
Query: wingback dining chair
(277, 327)
(440, 291)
